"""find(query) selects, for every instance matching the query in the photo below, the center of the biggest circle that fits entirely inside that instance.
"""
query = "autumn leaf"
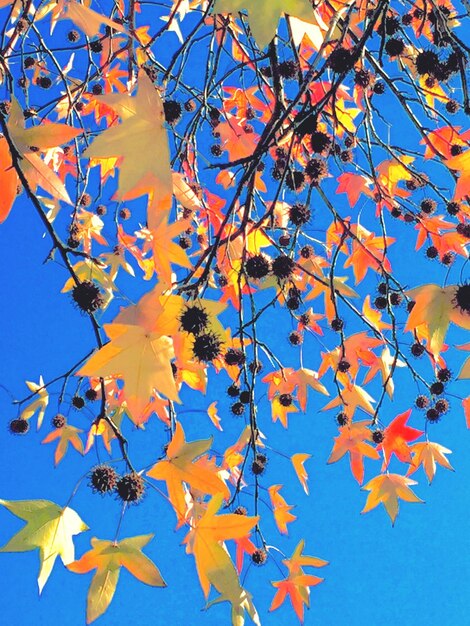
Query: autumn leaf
(107, 557)
(39, 403)
(387, 489)
(428, 454)
(49, 527)
(66, 434)
(280, 411)
(298, 461)
(205, 541)
(397, 435)
(9, 181)
(181, 466)
(353, 185)
(281, 509)
(461, 163)
(352, 397)
(39, 137)
(354, 439)
(303, 379)
(140, 358)
(135, 141)
(297, 583)
(264, 15)
(436, 307)
(213, 415)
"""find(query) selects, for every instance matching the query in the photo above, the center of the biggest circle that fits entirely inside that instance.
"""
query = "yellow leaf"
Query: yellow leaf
(107, 557)
(40, 402)
(49, 527)
(181, 466)
(264, 15)
(141, 358)
(386, 489)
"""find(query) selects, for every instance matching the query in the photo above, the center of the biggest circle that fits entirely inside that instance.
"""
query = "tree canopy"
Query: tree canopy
(261, 208)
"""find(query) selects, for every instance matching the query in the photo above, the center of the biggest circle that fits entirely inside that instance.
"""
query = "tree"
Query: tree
(216, 179)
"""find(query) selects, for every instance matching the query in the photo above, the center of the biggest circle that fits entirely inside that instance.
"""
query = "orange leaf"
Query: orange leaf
(386, 489)
(354, 438)
(181, 466)
(281, 509)
(298, 461)
(107, 557)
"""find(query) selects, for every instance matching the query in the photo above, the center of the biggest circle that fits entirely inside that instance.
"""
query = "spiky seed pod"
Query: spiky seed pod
(284, 240)
(91, 395)
(428, 206)
(130, 488)
(392, 24)
(342, 419)
(18, 426)
(288, 69)
(233, 391)
(283, 267)
(103, 478)
(73, 36)
(447, 258)
(395, 298)
(78, 402)
(379, 88)
(462, 298)
(299, 214)
(58, 421)
(343, 366)
(442, 406)
(194, 319)
(234, 356)
(417, 349)
(295, 180)
(238, 408)
(426, 62)
(320, 141)
(452, 106)
(87, 296)
(96, 46)
(259, 557)
(432, 415)
(245, 397)
(44, 82)
(206, 347)
(394, 46)
(257, 266)
(437, 388)
(255, 367)
(422, 402)
(378, 436)
(444, 375)
(341, 60)
(172, 110)
(337, 324)
(295, 338)
(306, 252)
(240, 510)
(97, 89)
(285, 399)
(380, 303)
(293, 303)
(362, 78)
(184, 242)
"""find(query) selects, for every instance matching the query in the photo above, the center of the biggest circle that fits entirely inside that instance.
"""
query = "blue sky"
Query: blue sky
(415, 573)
